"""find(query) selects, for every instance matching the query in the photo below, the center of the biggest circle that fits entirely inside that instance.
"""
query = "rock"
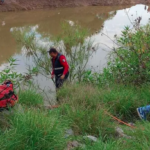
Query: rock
(75, 144)
(72, 144)
(71, 23)
(68, 133)
(131, 124)
(120, 133)
(3, 23)
(91, 138)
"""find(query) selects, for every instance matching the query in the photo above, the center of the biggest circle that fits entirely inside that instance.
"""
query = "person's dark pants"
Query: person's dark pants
(59, 82)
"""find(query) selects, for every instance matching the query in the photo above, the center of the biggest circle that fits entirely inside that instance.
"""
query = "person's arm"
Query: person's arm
(52, 72)
(64, 63)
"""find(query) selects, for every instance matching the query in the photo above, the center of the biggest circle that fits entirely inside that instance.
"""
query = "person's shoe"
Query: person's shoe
(141, 113)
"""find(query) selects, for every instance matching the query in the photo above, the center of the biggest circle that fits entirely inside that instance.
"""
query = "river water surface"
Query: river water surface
(106, 19)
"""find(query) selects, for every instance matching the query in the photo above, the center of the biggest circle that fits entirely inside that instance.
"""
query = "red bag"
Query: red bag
(7, 96)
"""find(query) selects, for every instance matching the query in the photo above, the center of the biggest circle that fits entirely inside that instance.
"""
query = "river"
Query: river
(107, 19)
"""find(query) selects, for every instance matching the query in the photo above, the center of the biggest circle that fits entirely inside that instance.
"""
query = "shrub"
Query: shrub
(72, 42)
(130, 62)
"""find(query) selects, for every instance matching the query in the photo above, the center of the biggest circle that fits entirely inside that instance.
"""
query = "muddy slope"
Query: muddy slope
(12, 5)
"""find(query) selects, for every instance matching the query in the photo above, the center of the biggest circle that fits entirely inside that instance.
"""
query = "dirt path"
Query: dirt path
(13, 5)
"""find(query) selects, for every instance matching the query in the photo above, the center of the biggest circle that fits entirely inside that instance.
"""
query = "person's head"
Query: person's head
(53, 52)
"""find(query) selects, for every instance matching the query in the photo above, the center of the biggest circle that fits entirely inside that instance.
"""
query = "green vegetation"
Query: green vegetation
(30, 98)
(85, 111)
(33, 130)
(82, 109)
(76, 47)
(84, 105)
(130, 62)
(71, 42)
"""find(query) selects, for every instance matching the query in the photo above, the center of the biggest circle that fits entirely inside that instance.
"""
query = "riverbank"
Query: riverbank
(16, 5)
(81, 121)
(97, 112)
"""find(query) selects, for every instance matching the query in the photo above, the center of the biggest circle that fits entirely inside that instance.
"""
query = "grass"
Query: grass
(100, 145)
(34, 130)
(82, 109)
(83, 106)
(30, 98)
(120, 100)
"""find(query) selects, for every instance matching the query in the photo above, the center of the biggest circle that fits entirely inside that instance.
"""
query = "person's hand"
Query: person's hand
(62, 77)
(52, 76)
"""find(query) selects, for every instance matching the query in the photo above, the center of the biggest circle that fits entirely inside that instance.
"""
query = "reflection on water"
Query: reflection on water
(49, 21)
(113, 27)
(109, 20)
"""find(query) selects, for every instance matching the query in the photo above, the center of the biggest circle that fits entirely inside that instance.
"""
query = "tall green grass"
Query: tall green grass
(82, 109)
(30, 98)
(34, 130)
(120, 100)
(81, 106)
(100, 145)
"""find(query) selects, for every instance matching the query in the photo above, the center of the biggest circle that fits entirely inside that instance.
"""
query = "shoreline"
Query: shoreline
(21, 5)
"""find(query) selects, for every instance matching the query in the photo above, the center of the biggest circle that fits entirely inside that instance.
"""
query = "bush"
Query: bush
(130, 62)
(34, 130)
(30, 98)
(71, 42)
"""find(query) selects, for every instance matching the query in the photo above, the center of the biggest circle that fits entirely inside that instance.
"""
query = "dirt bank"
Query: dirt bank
(13, 5)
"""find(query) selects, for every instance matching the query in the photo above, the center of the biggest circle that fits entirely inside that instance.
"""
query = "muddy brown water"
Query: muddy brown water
(113, 19)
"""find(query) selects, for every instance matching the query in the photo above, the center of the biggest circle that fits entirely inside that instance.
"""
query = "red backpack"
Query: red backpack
(7, 96)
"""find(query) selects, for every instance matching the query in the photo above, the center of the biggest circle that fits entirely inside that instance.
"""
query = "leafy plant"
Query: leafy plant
(72, 42)
(130, 62)
(33, 44)
(77, 48)
(19, 80)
